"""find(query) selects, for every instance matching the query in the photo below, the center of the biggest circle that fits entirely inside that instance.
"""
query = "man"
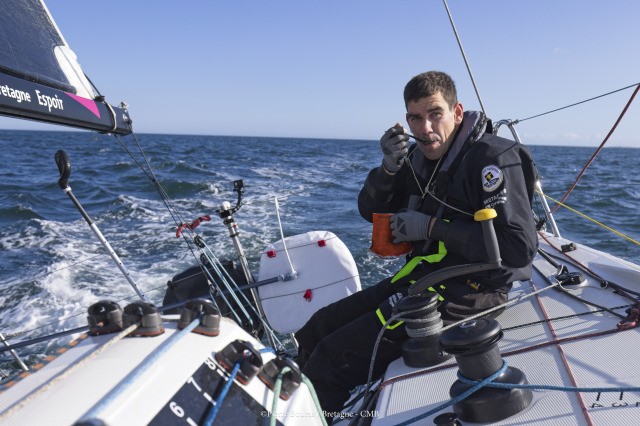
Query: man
(433, 188)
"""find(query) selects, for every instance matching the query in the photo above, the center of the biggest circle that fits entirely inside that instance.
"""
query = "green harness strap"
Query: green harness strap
(410, 266)
(407, 269)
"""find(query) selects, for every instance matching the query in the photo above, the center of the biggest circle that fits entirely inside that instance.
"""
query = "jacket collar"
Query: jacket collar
(473, 126)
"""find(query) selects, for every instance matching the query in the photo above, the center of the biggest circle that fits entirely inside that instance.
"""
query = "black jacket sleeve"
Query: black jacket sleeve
(378, 195)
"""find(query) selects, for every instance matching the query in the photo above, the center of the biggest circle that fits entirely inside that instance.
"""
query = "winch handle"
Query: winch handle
(64, 167)
(485, 217)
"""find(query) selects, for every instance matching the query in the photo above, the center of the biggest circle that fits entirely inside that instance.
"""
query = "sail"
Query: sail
(40, 78)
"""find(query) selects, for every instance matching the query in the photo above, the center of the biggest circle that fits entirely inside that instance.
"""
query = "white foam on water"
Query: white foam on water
(75, 271)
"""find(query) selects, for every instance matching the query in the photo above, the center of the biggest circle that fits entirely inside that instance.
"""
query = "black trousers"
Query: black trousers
(337, 342)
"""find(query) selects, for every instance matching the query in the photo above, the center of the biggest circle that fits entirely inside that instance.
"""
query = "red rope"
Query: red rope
(599, 148)
(632, 320)
(192, 225)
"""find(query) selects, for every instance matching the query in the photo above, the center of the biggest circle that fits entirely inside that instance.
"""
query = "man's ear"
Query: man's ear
(458, 111)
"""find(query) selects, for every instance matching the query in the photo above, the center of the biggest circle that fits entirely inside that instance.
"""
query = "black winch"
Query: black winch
(424, 326)
(475, 346)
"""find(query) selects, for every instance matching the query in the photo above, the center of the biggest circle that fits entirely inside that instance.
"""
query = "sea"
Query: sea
(53, 267)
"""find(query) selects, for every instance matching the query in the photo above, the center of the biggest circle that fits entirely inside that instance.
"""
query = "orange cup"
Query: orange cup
(381, 237)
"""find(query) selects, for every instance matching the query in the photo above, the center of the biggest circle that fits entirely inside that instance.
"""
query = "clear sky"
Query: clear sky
(337, 68)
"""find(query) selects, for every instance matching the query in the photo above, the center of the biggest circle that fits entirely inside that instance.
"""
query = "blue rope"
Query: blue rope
(134, 375)
(214, 412)
(489, 383)
(222, 272)
(460, 397)
(549, 387)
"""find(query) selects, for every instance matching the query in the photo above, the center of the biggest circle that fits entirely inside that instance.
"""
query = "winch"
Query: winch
(475, 347)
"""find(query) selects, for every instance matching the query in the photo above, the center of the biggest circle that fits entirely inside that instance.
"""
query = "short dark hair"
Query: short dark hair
(428, 84)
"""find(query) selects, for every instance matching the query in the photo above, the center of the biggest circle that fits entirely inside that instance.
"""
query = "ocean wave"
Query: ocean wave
(17, 212)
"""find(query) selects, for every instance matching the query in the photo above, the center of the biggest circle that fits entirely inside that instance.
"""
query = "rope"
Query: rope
(563, 317)
(603, 283)
(40, 339)
(599, 148)
(148, 362)
(66, 373)
(573, 296)
(276, 396)
(213, 261)
(478, 385)
(559, 203)
(489, 382)
(177, 217)
(218, 403)
(455, 324)
(221, 271)
(316, 401)
(550, 387)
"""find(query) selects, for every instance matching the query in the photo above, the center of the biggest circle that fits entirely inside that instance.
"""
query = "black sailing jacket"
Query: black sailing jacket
(479, 171)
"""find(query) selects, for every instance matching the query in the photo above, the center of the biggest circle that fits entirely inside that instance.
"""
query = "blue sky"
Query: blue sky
(337, 68)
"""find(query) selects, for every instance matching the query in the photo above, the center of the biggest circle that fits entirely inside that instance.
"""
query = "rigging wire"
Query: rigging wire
(599, 148)
(464, 57)
(574, 104)
(177, 217)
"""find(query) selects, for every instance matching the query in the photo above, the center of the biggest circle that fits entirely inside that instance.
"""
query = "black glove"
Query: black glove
(410, 225)
(394, 144)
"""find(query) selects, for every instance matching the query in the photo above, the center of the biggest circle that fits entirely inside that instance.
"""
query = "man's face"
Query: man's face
(432, 119)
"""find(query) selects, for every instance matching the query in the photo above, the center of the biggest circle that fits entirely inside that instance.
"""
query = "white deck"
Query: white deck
(604, 361)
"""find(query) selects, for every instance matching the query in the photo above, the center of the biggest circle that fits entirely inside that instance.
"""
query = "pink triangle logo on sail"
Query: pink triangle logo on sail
(87, 103)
